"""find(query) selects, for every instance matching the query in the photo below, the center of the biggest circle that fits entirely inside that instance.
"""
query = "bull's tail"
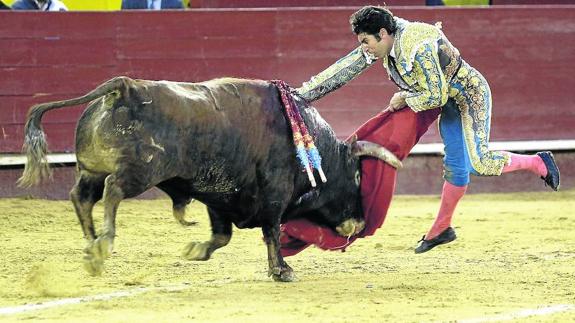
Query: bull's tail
(35, 146)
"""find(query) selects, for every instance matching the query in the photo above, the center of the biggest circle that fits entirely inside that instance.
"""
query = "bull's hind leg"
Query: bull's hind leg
(177, 190)
(85, 193)
(179, 210)
(116, 189)
(221, 235)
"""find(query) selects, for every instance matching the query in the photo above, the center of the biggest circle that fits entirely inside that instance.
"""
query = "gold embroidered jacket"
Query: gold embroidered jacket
(424, 64)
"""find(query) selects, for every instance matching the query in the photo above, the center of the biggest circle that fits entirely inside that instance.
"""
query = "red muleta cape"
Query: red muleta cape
(398, 132)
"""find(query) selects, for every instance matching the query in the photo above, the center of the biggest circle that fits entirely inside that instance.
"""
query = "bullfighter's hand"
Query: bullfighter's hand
(397, 102)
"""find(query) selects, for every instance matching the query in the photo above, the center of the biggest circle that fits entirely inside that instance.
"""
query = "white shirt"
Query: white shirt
(392, 53)
(155, 4)
(52, 5)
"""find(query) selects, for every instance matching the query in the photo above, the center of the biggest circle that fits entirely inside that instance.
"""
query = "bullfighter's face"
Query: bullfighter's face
(378, 48)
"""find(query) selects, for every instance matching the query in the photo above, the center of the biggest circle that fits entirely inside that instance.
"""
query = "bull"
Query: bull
(225, 142)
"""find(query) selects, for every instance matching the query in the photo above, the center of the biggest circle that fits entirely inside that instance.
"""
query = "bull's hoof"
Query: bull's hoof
(185, 223)
(93, 266)
(285, 274)
(95, 254)
(179, 214)
(197, 251)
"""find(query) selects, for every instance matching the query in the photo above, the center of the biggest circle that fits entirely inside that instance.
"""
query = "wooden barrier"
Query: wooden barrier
(524, 52)
(297, 3)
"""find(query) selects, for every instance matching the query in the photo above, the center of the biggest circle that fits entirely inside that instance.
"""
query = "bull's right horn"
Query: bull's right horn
(368, 148)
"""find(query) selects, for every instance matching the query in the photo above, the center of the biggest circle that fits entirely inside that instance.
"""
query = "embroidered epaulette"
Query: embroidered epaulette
(415, 35)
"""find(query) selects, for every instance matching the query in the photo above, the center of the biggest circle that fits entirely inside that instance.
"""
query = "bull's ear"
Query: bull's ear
(351, 140)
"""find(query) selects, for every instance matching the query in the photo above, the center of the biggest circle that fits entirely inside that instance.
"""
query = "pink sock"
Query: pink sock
(450, 196)
(532, 163)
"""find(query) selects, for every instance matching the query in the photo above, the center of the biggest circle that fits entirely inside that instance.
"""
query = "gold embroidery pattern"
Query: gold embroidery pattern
(431, 88)
(400, 77)
(335, 76)
(473, 96)
(413, 37)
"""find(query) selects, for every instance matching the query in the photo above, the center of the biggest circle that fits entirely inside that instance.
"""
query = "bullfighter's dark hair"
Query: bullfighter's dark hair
(370, 20)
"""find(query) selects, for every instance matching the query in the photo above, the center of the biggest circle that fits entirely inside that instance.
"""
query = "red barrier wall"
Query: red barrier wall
(297, 3)
(532, 2)
(526, 53)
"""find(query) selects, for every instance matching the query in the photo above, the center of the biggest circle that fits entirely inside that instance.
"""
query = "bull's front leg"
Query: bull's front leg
(278, 268)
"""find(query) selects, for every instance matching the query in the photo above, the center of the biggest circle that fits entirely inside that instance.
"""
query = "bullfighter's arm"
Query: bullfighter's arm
(337, 75)
(431, 80)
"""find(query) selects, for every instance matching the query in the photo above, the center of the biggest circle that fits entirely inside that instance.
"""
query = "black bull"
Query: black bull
(224, 142)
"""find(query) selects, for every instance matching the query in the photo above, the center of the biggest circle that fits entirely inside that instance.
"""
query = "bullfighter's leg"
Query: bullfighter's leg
(116, 188)
(85, 193)
(180, 199)
(221, 235)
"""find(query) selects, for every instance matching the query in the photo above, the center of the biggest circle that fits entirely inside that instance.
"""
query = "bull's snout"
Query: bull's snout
(350, 227)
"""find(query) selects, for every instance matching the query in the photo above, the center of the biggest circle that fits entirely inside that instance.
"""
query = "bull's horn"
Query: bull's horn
(368, 148)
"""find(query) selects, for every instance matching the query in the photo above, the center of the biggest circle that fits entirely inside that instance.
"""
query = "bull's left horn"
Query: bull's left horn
(368, 148)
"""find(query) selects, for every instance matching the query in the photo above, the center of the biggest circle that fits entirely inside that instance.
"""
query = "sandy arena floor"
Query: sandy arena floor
(514, 258)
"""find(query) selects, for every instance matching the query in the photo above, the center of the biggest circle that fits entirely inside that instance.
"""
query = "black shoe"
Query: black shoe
(553, 177)
(446, 236)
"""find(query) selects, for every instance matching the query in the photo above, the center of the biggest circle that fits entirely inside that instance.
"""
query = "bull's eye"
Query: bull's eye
(357, 178)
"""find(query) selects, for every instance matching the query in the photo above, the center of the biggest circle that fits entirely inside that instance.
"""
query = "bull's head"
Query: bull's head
(343, 210)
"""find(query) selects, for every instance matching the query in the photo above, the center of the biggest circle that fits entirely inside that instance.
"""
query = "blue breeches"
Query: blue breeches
(464, 126)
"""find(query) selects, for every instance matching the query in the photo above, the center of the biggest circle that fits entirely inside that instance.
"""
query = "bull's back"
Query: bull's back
(184, 126)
